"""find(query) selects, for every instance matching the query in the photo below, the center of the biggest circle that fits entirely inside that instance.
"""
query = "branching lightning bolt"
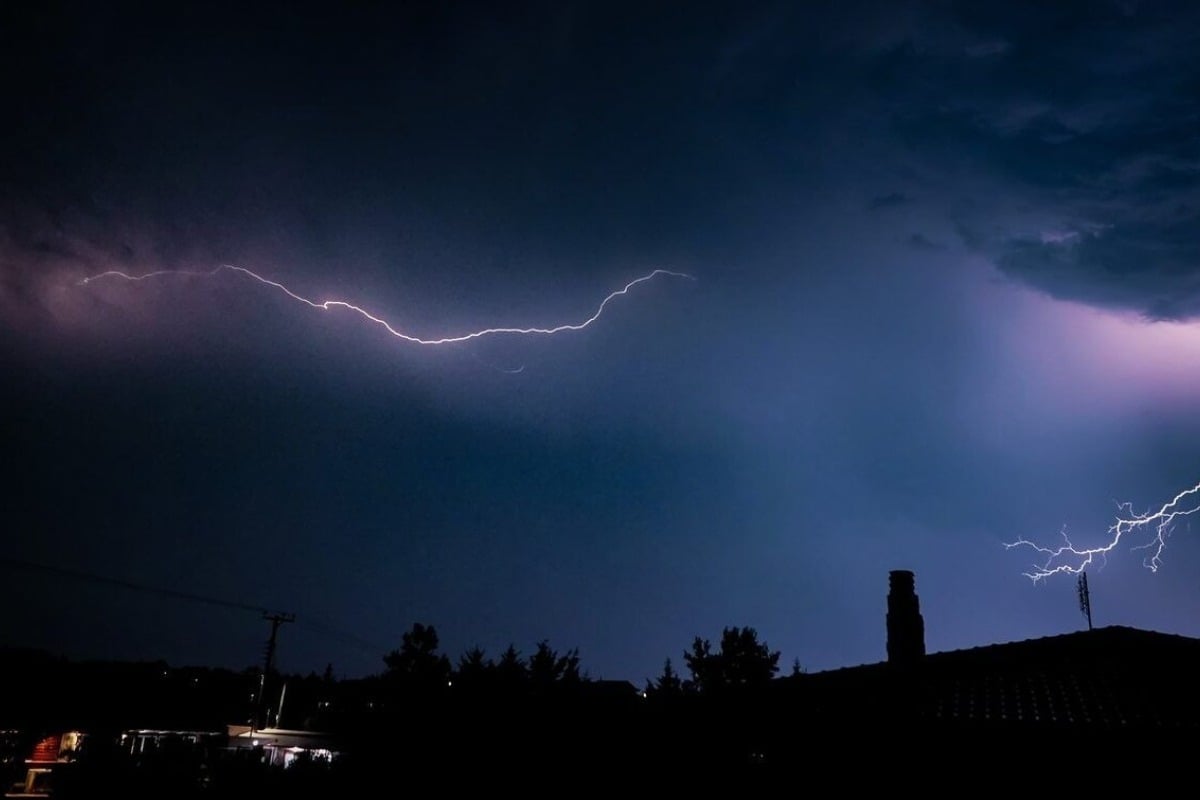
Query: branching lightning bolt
(1067, 558)
(327, 305)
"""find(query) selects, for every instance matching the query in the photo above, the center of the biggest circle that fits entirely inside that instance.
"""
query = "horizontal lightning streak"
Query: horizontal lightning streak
(327, 305)
(1067, 558)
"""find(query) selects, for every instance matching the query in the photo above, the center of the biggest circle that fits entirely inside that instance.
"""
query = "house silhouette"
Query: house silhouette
(1112, 681)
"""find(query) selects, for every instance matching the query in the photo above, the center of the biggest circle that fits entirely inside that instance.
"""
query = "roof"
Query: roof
(243, 736)
(1111, 678)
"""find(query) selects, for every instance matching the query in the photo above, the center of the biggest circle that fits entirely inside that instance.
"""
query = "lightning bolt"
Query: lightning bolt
(1158, 524)
(328, 305)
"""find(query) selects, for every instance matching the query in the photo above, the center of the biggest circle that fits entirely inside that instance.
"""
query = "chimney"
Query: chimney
(905, 628)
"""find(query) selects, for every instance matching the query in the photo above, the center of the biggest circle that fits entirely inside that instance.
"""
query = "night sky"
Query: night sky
(947, 295)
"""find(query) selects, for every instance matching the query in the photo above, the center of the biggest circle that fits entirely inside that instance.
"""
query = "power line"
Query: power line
(104, 580)
(124, 584)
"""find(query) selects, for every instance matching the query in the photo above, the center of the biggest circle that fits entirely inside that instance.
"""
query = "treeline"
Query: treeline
(738, 660)
(516, 715)
(43, 692)
(480, 719)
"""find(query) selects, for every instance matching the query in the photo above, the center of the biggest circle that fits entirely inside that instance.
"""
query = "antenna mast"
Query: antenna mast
(1085, 599)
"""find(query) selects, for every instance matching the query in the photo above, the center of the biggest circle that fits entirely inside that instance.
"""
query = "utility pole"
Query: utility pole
(262, 717)
(1085, 599)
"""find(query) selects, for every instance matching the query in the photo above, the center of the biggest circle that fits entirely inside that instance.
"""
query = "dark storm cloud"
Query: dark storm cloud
(1152, 266)
(1079, 118)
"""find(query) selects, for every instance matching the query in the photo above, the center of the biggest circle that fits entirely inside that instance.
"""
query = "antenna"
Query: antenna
(1085, 599)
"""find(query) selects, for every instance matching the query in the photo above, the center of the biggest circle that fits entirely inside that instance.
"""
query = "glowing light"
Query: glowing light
(1158, 524)
(327, 305)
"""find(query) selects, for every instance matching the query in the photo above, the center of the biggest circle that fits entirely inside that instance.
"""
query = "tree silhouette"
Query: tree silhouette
(474, 662)
(741, 661)
(669, 684)
(704, 666)
(511, 671)
(475, 670)
(418, 661)
(547, 667)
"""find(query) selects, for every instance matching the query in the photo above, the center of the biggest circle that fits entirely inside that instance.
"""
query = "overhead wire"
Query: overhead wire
(313, 625)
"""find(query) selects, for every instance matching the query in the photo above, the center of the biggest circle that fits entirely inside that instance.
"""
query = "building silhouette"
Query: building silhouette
(912, 717)
(1110, 680)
